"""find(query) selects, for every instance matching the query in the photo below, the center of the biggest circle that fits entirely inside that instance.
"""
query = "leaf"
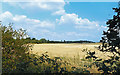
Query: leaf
(107, 61)
(94, 57)
(88, 57)
(100, 69)
(99, 60)
(117, 58)
(35, 63)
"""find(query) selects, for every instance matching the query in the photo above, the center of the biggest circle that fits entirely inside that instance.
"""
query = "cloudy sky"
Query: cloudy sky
(60, 20)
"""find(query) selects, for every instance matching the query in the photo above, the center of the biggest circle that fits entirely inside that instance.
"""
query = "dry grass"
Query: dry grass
(67, 50)
(70, 52)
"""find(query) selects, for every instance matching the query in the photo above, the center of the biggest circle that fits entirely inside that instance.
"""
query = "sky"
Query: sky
(59, 20)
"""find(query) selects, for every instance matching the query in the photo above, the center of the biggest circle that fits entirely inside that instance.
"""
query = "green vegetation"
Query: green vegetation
(17, 59)
(110, 43)
(43, 40)
(16, 56)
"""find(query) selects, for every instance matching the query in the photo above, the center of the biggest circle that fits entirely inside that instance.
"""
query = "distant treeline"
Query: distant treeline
(43, 40)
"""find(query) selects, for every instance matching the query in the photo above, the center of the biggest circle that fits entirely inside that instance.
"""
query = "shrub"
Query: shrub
(110, 43)
(14, 58)
(17, 59)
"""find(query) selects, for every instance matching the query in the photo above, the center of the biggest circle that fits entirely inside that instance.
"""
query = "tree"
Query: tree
(43, 40)
(33, 39)
(28, 38)
(17, 59)
(110, 43)
(0, 48)
(14, 56)
(64, 41)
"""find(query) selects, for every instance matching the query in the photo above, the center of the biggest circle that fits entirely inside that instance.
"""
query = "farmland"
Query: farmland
(73, 53)
(66, 50)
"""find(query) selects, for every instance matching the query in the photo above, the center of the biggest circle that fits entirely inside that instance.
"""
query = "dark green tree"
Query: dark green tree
(33, 38)
(43, 40)
(110, 43)
(64, 41)
(28, 38)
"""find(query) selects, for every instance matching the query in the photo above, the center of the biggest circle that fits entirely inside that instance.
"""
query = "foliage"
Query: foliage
(17, 59)
(44, 64)
(13, 50)
(43, 40)
(110, 43)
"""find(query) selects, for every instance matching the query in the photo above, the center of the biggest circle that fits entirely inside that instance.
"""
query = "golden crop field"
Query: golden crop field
(72, 53)
(67, 50)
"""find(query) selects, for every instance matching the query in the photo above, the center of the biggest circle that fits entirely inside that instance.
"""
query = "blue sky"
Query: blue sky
(59, 20)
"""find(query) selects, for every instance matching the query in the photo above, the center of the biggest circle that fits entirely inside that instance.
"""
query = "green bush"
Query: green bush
(17, 59)
(110, 43)
(14, 58)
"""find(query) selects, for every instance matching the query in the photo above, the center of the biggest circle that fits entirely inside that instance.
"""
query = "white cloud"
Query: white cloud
(6, 16)
(33, 1)
(77, 34)
(81, 28)
(77, 22)
(55, 6)
(38, 27)
(44, 5)
(24, 21)
(35, 28)
(61, 0)
(43, 33)
(67, 18)
(60, 12)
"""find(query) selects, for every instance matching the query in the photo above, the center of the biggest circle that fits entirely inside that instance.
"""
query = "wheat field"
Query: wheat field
(67, 50)
(73, 53)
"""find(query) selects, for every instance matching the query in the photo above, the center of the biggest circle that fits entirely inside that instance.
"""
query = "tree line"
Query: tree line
(43, 40)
